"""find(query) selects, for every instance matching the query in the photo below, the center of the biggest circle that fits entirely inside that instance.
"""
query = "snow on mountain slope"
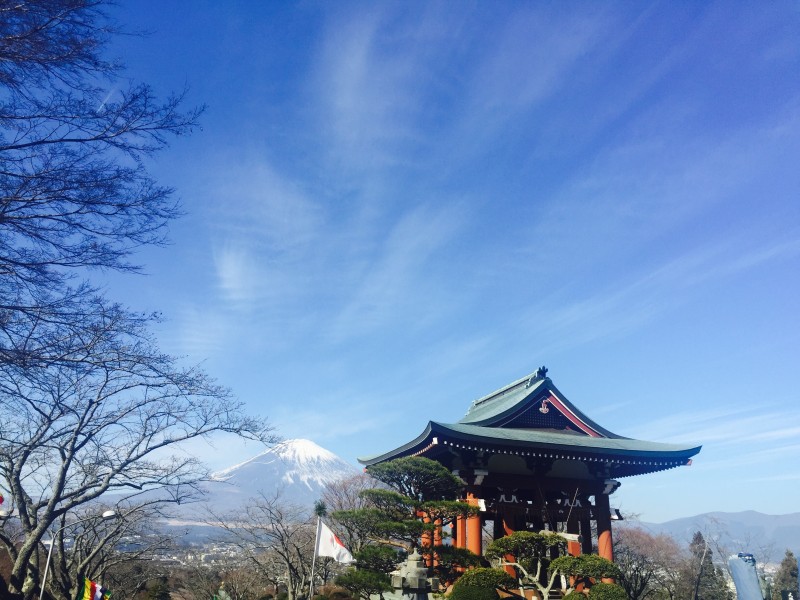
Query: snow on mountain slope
(297, 469)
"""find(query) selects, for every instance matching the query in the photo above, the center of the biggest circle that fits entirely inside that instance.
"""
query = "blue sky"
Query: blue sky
(397, 207)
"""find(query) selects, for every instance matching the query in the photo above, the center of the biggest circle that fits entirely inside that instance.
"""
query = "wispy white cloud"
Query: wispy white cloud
(449, 354)
(733, 429)
(653, 295)
(238, 274)
(263, 225)
(744, 438)
(750, 464)
(353, 415)
(784, 477)
(660, 178)
(200, 332)
(257, 205)
(369, 85)
(398, 285)
(529, 60)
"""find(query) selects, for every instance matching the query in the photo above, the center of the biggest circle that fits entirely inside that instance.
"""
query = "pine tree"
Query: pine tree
(420, 501)
(785, 581)
(708, 580)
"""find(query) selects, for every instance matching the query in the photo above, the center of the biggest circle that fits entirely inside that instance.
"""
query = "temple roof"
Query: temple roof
(527, 404)
(531, 417)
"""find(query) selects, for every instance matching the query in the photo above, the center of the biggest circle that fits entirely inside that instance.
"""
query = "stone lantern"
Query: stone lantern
(411, 579)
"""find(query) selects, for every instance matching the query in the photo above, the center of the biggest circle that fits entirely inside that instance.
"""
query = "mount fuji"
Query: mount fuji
(296, 469)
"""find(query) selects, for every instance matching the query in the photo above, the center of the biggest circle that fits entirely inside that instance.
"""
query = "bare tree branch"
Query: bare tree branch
(88, 403)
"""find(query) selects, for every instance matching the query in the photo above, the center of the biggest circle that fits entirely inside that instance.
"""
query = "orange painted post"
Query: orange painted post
(427, 542)
(424, 538)
(437, 540)
(461, 525)
(508, 522)
(508, 528)
(605, 543)
(474, 533)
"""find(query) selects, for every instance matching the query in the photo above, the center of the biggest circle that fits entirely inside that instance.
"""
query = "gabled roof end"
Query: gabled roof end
(538, 375)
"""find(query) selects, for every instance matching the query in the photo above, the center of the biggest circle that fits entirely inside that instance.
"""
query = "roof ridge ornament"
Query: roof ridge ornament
(538, 375)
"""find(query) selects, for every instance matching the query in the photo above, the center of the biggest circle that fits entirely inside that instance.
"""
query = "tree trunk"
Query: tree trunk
(24, 579)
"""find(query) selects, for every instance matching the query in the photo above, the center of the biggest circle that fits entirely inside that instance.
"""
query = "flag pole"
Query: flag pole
(314, 559)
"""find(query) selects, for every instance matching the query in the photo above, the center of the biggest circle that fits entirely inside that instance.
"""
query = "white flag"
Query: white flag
(330, 545)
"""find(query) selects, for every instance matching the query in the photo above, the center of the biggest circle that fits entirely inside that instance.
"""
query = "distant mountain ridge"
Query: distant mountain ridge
(746, 531)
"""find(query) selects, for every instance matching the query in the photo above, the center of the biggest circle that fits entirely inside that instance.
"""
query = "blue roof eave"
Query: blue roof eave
(552, 440)
(538, 439)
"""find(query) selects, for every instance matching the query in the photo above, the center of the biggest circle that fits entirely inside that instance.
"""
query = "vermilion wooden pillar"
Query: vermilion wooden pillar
(605, 547)
(437, 540)
(474, 534)
(461, 532)
(509, 523)
(427, 542)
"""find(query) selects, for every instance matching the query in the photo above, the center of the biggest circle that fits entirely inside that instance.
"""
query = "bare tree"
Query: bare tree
(70, 433)
(102, 549)
(277, 538)
(240, 580)
(649, 564)
(74, 191)
(724, 544)
(88, 403)
(201, 582)
(346, 495)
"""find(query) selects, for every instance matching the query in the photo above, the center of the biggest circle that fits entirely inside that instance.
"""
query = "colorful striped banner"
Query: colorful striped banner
(91, 591)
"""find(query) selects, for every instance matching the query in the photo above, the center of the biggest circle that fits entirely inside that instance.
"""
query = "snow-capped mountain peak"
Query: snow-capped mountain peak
(298, 469)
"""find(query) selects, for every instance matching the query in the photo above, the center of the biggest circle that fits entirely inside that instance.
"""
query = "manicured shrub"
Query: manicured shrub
(481, 584)
(607, 591)
(466, 592)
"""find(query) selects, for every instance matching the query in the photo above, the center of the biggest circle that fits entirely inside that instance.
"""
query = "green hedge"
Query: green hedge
(481, 584)
(607, 591)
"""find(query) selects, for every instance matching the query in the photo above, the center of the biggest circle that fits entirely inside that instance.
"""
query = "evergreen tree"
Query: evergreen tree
(482, 584)
(785, 581)
(585, 571)
(422, 500)
(531, 552)
(708, 580)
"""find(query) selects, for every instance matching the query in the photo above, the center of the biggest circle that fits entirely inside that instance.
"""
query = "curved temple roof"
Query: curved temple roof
(532, 418)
